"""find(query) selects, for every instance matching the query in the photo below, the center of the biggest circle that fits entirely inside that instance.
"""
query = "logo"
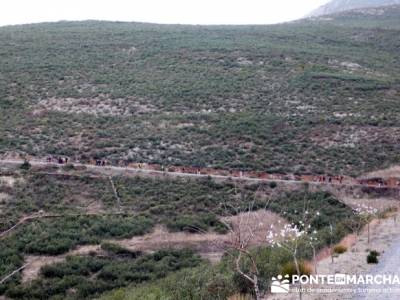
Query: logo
(340, 279)
(280, 284)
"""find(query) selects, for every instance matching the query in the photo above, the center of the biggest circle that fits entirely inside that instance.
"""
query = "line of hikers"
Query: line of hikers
(204, 171)
(60, 160)
(64, 160)
(330, 179)
(100, 162)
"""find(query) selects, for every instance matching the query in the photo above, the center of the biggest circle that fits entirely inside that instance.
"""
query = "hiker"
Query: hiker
(49, 159)
(103, 163)
(60, 161)
(66, 160)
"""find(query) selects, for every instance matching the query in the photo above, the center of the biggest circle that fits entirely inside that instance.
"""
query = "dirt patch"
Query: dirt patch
(35, 263)
(209, 245)
(162, 238)
(99, 106)
(85, 250)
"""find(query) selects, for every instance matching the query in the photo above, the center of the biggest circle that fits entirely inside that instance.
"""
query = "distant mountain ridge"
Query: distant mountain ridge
(336, 6)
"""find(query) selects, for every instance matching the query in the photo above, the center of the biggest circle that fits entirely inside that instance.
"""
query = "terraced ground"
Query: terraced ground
(312, 96)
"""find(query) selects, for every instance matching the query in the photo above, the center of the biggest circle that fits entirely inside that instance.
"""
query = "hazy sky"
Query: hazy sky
(157, 11)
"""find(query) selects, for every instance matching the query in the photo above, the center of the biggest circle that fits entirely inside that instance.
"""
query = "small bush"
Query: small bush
(372, 257)
(272, 184)
(26, 165)
(290, 269)
(339, 249)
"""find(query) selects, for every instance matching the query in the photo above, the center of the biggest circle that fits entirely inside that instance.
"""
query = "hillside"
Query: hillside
(313, 96)
(337, 6)
(372, 18)
(318, 95)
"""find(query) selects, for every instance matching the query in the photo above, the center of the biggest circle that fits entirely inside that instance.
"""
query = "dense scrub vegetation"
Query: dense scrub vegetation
(310, 96)
(83, 277)
(58, 236)
(53, 194)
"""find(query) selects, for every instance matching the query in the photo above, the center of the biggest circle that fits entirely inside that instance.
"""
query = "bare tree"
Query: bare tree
(241, 238)
(361, 216)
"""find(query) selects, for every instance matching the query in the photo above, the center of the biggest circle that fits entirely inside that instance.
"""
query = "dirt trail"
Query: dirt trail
(136, 171)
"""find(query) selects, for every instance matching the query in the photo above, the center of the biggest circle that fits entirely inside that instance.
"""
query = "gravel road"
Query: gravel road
(389, 264)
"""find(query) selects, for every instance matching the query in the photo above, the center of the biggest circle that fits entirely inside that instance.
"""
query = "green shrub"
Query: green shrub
(89, 276)
(26, 165)
(339, 249)
(372, 259)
